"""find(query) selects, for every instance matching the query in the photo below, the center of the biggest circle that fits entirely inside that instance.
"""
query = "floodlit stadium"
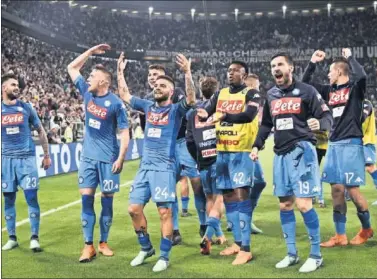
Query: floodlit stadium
(188, 139)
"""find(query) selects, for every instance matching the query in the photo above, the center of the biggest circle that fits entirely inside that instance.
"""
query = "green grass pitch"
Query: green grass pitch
(61, 239)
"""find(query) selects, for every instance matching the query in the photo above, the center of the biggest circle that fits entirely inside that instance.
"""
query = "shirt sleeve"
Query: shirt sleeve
(140, 104)
(323, 89)
(121, 115)
(81, 85)
(190, 140)
(33, 118)
(182, 107)
(265, 128)
(253, 103)
(320, 110)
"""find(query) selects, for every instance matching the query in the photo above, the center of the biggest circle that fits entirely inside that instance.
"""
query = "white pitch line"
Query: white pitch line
(25, 221)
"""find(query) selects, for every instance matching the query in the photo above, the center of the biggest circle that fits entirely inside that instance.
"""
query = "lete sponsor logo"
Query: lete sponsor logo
(230, 106)
(286, 106)
(158, 118)
(12, 119)
(339, 97)
(96, 110)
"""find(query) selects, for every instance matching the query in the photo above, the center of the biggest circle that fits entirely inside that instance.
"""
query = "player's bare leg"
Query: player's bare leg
(88, 219)
(339, 216)
(139, 223)
(361, 204)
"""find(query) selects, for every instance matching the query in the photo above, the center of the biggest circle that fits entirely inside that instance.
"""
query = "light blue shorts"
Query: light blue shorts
(208, 180)
(370, 154)
(21, 172)
(186, 165)
(345, 163)
(92, 173)
(158, 185)
(234, 170)
(297, 172)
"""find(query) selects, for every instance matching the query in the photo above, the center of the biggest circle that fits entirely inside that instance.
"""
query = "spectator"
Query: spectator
(52, 135)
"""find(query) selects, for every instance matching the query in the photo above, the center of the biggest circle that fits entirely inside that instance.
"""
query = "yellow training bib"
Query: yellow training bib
(369, 128)
(234, 137)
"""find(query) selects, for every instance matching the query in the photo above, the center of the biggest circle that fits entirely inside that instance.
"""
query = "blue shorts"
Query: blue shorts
(258, 173)
(186, 165)
(297, 172)
(208, 180)
(93, 172)
(344, 163)
(158, 185)
(370, 154)
(234, 170)
(21, 172)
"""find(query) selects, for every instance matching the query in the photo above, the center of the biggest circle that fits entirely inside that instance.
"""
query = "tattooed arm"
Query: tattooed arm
(46, 163)
(185, 65)
(124, 93)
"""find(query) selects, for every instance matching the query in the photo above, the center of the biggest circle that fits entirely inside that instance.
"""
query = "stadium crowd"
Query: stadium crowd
(46, 85)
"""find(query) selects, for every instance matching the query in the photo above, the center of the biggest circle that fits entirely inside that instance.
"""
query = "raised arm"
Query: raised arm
(185, 65)
(124, 93)
(75, 66)
(323, 89)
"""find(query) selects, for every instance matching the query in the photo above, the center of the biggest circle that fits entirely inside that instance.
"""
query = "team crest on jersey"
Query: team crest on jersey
(4, 185)
(158, 118)
(340, 96)
(107, 103)
(12, 119)
(286, 106)
(230, 106)
(96, 110)
(296, 91)
(199, 124)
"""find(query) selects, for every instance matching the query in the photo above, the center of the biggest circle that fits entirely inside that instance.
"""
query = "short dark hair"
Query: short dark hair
(242, 64)
(208, 86)
(157, 67)
(165, 77)
(102, 68)
(343, 64)
(7, 77)
(287, 57)
(253, 76)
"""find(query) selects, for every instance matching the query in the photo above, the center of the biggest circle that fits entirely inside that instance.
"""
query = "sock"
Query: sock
(106, 217)
(185, 203)
(34, 211)
(88, 218)
(233, 219)
(364, 218)
(245, 209)
(340, 222)
(144, 241)
(165, 247)
(213, 226)
(256, 193)
(374, 177)
(200, 205)
(288, 224)
(10, 214)
(175, 213)
(312, 226)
